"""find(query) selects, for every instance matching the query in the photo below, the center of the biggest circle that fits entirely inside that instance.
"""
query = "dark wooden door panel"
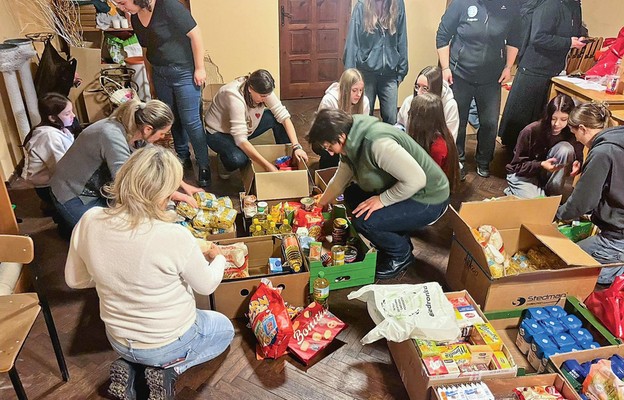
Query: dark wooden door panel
(312, 36)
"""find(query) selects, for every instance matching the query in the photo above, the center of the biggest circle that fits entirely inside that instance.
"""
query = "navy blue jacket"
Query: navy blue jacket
(478, 31)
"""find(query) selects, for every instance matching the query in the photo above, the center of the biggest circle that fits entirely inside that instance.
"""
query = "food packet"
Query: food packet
(195, 232)
(204, 220)
(602, 383)
(538, 393)
(236, 260)
(206, 201)
(269, 320)
(314, 329)
(225, 218)
(312, 220)
(186, 210)
(492, 242)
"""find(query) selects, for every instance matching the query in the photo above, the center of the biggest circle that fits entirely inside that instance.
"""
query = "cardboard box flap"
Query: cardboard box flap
(569, 251)
(510, 213)
(466, 240)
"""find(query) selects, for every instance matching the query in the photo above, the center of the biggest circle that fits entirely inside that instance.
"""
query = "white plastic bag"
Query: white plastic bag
(402, 312)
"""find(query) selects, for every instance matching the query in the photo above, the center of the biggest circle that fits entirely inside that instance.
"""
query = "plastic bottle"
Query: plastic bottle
(613, 80)
(272, 230)
(258, 231)
(321, 290)
(285, 228)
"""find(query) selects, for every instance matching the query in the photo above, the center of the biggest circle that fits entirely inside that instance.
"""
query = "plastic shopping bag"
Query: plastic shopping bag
(402, 312)
(608, 306)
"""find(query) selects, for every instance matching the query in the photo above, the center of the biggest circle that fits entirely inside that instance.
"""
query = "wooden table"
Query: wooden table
(615, 101)
(618, 117)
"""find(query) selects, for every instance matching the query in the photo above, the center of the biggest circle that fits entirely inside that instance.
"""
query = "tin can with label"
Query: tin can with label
(307, 203)
(338, 255)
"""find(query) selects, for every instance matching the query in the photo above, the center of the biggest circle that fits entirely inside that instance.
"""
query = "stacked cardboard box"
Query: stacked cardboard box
(87, 15)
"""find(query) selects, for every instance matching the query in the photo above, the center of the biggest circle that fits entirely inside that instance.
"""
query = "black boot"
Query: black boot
(203, 178)
(161, 383)
(122, 376)
(388, 268)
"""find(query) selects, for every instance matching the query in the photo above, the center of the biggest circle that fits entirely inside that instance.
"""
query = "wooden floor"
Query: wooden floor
(353, 371)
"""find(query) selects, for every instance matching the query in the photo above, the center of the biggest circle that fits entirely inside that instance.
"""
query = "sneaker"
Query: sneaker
(161, 383)
(203, 178)
(122, 376)
(462, 174)
(187, 163)
(222, 171)
(483, 172)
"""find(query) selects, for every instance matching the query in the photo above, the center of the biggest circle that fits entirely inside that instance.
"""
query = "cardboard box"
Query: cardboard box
(323, 176)
(232, 296)
(275, 185)
(503, 388)
(506, 324)
(582, 356)
(414, 374)
(523, 224)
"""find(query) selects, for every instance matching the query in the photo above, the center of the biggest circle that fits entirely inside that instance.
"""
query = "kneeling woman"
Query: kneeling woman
(545, 154)
(397, 187)
(145, 276)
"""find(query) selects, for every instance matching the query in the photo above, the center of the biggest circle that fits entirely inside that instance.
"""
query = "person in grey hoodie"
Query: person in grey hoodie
(600, 191)
(377, 46)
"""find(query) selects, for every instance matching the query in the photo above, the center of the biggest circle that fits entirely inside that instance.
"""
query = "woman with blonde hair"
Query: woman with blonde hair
(145, 288)
(347, 95)
(600, 190)
(376, 45)
(100, 150)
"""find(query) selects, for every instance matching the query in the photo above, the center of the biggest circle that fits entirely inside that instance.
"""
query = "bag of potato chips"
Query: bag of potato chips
(269, 320)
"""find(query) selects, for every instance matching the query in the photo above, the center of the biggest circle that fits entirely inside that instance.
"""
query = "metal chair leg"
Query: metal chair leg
(17, 384)
(47, 314)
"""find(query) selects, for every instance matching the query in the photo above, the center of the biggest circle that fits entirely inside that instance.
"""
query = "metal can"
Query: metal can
(307, 203)
(338, 255)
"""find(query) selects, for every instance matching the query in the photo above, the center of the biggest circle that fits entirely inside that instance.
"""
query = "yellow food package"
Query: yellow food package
(196, 232)
(204, 220)
(500, 361)
(186, 210)
(226, 218)
(428, 348)
(480, 354)
(225, 201)
(205, 200)
(485, 334)
(457, 352)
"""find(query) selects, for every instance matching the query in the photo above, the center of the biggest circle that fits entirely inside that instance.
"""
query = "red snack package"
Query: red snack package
(314, 329)
(313, 220)
(269, 319)
(538, 393)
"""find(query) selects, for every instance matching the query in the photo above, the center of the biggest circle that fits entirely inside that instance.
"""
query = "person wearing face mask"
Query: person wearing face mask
(347, 95)
(545, 154)
(429, 80)
(47, 143)
(599, 191)
(244, 109)
(100, 150)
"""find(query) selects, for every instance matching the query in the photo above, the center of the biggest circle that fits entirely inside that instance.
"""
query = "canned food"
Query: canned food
(307, 203)
(338, 255)
(341, 223)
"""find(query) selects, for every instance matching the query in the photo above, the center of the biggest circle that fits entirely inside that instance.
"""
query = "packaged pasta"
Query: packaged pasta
(186, 210)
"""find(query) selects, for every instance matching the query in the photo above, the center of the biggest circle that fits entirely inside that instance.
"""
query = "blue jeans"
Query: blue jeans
(175, 86)
(606, 248)
(386, 87)
(72, 210)
(389, 228)
(231, 155)
(487, 98)
(208, 337)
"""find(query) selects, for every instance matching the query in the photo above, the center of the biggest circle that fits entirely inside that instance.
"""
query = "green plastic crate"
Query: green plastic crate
(348, 275)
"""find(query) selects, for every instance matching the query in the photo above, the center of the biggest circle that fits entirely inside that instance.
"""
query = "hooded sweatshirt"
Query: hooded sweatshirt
(601, 187)
(332, 95)
(451, 114)
(378, 52)
(478, 32)
(43, 151)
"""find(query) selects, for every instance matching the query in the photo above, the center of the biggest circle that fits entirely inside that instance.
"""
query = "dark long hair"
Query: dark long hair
(425, 123)
(434, 79)
(259, 81)
(50, 106)
(562, 102)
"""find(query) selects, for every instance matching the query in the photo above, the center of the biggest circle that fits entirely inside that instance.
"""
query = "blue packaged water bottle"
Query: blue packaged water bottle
(552, 325)
(571, 322)
(556, 311)
(537, 313)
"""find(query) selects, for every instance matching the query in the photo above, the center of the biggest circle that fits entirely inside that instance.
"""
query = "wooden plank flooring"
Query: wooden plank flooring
(352, 372)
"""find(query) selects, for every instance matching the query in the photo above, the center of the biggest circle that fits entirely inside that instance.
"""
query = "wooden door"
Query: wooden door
(312, 38)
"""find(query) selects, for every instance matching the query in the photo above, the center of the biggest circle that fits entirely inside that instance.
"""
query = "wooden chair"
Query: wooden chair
(18, 312)
(579, 61)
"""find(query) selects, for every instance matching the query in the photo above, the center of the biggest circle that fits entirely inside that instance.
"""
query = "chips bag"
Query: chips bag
(312, 220)
(269, 320)
(314, 329)
(494, 249)
(236, 260)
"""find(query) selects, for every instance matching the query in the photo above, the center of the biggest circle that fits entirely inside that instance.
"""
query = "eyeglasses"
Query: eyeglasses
(423, 88)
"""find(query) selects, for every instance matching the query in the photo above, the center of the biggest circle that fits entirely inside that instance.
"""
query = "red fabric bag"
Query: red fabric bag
(608, 306)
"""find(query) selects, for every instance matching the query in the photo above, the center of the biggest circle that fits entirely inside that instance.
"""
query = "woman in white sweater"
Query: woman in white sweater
(47, 143)
(244, 109)
(430, 80)
(347, 95)
(146, 287)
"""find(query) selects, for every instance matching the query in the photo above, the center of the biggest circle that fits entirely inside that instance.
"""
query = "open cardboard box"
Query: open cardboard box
(275, 185)
(503, 387)
(323, 176)
(414, 373)
(232, 296)
(507, 322)
(523, 224)
(582, 356)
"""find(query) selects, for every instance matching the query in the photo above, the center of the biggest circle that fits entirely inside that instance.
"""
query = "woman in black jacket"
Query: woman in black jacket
(555, 28)
(477, 44)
